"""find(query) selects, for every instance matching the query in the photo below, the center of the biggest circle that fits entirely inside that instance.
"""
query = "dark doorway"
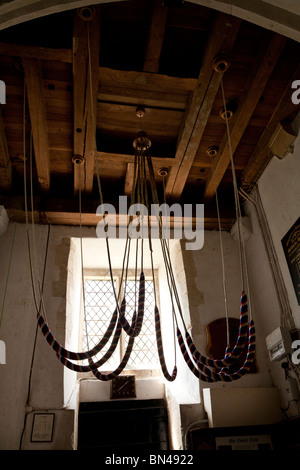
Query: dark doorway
(140, 425)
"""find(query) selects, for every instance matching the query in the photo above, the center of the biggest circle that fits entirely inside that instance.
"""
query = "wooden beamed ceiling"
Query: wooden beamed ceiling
(75, 80)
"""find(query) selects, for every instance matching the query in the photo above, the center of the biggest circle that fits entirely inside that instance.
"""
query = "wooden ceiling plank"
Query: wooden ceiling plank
(243, 114)
(35, 97)
(156, 35)
(221, 39)
(5, 163)
(86, 44)
(113, 159)
(35, 52)
(144, 98)
(145, 80)
(196, 136)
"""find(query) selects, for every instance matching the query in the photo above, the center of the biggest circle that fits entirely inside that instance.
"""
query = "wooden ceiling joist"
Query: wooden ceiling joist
(34, 89)
(222, 39)
(86, 44)
(65, 212)
(243, 115)
(144, 88)
(145, 80)
(111, 158)
(129, 179)
(155, 36)
(5, 163)
(35, 52)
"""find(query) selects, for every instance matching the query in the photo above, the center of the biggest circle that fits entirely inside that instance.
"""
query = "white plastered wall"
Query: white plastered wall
(279, 192)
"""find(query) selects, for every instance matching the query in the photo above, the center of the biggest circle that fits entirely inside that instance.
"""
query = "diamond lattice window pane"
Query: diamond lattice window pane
(99, 307)
(144, 352)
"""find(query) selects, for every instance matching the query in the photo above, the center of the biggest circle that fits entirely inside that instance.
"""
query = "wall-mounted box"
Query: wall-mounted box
(279, 343)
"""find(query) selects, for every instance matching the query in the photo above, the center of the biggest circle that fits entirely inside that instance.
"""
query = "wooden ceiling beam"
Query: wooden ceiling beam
(129, 179)
(35, 52)
(156, 36)
(35, 97)
(147, 98)
(244, 113)
(65, 212)
(145, 80)
(222, 40)
(86, 46)
(5, 163)
(112, 159)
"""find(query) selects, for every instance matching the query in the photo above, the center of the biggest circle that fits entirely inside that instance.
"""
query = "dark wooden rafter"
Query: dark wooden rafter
(86, 46)
(238, 125)
(5, 163)
(35, 52)
(144, 88)
(129, 178)
(221, 40)
(125, 159)
(34, 90)
(144, 80)
(156, 35)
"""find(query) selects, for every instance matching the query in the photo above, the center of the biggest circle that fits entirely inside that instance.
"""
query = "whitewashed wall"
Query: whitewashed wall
(18, 332)
(279, 193)
(279, 188)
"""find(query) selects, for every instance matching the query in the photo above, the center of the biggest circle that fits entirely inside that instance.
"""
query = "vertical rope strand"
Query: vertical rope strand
(242, 250)
(81, 259)
(222, 256)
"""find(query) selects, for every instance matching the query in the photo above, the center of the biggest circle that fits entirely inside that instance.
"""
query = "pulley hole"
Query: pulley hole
(87, 13)
(162, 172)
(226, 114)
(78, 160)
(212, 151)
(221, 64)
